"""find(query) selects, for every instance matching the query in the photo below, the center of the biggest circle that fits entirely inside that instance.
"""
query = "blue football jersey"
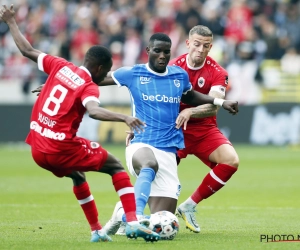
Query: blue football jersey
(155, 100)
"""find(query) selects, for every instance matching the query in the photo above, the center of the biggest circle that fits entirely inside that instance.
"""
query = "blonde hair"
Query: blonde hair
(201, 30)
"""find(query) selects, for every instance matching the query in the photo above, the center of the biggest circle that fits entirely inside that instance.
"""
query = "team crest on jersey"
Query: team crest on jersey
(177, 83)
(201, 82)
(226, 80)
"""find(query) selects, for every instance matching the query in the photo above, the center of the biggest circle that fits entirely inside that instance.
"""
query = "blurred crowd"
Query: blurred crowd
(247, 33)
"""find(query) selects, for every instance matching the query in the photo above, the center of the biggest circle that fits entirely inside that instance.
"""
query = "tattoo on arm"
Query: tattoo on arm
(206, 110)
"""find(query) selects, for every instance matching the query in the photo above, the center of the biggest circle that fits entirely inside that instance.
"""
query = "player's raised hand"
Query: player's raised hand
(231, 106)
(7, 14)
(135, 124)
(183, 118)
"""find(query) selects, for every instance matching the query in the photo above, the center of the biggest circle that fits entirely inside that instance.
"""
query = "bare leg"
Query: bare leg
(162, 203)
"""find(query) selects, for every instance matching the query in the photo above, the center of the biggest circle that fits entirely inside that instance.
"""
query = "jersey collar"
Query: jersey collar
(156, 73)
(191, 67)
(86, 70)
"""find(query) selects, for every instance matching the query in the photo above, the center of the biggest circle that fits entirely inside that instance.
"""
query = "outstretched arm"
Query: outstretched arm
(103, 114)
(8, 16)
(204, 110)
(193, 97)
(108, 80)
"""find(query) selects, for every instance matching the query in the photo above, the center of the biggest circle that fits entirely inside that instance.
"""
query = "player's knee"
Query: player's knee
(116, 168)
(231, 160)
(137, 168)
(119, 168)
(146, 162)
(77, 177)
(235, 161)
(118, 164)
(151, 164)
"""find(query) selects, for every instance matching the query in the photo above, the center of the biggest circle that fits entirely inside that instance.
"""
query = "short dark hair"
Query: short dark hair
(99, 55)
(160, 37)
(201, 30)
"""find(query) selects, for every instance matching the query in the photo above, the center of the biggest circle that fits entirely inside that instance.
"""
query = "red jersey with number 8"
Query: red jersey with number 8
(59, 108)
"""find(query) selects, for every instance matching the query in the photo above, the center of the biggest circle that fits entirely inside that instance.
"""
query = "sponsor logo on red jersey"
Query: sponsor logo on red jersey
(67, 76)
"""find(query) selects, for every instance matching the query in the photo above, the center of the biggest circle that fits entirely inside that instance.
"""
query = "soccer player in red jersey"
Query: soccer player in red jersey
(201, 135)
(68, 93)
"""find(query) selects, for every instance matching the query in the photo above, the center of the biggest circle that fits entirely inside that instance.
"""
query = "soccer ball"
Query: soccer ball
(165, 224)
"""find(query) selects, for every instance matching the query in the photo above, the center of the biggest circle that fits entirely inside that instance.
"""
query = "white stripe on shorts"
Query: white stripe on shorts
(216, 177)
(86, 200)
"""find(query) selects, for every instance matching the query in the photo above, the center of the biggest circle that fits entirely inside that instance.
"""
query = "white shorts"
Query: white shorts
(166, 182)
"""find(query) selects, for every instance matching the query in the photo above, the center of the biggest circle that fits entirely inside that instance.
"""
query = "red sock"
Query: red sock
(213, 182)
(125, 190)
(88, 205)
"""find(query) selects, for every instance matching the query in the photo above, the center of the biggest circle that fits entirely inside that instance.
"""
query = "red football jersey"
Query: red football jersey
(209, 76)
(59, 108)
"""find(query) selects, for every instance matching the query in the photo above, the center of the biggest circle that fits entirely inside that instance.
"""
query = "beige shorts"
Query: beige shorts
(166, 182)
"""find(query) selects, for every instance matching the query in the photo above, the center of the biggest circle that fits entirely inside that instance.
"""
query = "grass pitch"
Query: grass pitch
(39, 211)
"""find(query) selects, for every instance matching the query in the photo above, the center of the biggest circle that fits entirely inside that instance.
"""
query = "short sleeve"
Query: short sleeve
(220, 82)
(90, 93)
(123, 76)
(48, 63)
(220, 78)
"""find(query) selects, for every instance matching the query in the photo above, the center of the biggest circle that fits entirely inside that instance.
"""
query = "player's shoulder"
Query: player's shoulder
(123, 69)
(76, 78)
(50, 58)
(141, 69)
(178, 60)
(138, 66)
(175, 69)
(214, 66)
(121, 72)
(134, 68)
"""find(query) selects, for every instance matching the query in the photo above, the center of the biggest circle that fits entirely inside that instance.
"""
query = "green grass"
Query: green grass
(39, 211)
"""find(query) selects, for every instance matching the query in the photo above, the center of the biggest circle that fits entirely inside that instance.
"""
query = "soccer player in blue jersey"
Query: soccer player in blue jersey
(156, 90)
